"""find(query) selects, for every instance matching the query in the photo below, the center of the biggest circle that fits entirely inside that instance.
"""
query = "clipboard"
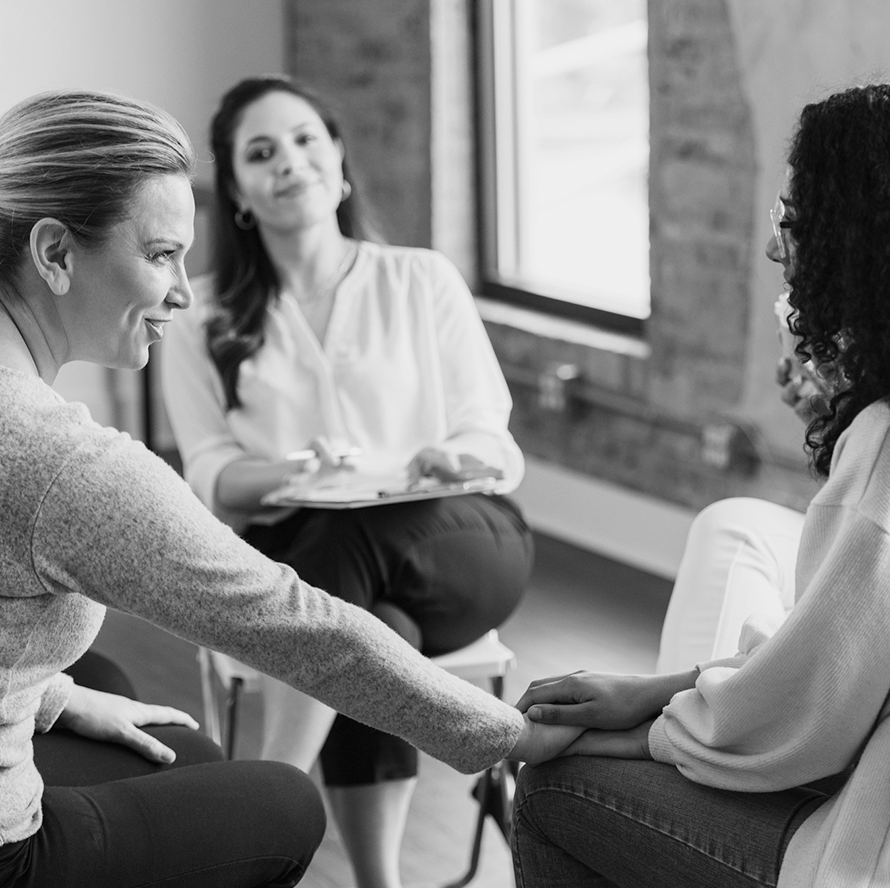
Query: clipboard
(362, 495)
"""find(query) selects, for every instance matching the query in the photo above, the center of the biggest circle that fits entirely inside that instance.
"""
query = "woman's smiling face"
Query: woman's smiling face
(288, 170)
(123, 291)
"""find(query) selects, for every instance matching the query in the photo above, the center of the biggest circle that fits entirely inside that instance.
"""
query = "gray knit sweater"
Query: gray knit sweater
(89, 518)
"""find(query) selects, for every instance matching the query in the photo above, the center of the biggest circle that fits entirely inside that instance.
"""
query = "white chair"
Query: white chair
(485, 659)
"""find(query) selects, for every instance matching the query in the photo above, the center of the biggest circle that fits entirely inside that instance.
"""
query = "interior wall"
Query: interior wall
(179, 55)
(372, 62)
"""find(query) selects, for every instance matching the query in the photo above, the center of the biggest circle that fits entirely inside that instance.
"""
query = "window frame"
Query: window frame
(487, 173)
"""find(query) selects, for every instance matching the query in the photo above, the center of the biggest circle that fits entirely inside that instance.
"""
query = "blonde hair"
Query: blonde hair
(80, 157)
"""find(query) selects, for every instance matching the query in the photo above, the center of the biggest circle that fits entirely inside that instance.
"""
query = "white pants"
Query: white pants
(739, 559)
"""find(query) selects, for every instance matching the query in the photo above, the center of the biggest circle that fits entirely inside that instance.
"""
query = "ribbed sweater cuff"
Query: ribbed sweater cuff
(659, 746)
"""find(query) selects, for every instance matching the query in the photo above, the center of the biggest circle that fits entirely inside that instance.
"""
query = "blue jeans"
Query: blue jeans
(589, 822)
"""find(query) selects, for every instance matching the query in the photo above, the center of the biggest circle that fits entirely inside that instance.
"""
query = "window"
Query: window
(564, 124)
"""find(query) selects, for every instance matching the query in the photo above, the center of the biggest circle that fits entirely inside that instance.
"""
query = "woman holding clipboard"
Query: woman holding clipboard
(308, 335)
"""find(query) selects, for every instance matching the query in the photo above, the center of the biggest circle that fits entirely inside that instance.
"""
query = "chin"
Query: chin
(129, 362)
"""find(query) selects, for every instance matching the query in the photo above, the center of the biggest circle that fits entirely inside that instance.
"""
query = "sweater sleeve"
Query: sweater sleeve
(797, 705)
(122, 528)
(53, 702)
(477, 399)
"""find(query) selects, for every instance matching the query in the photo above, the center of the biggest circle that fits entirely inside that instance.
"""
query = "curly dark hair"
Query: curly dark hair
(839, 211)
(245, 282)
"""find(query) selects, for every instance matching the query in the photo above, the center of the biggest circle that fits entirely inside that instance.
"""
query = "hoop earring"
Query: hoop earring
(347, 190)
(244, 220)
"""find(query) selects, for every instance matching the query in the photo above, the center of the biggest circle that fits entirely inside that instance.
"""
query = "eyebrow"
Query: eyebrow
(165, 241)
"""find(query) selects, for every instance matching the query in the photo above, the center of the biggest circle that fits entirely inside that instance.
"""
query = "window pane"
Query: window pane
(571, 133)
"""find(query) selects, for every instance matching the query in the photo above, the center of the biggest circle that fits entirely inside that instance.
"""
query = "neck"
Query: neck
(307, 259)
(23, 343)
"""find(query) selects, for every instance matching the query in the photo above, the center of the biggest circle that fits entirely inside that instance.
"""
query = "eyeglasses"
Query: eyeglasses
(777, 217)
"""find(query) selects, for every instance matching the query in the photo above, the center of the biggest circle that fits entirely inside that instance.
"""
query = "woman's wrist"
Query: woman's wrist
(668, 685)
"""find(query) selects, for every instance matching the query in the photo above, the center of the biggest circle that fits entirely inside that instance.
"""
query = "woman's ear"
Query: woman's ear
(51, 254)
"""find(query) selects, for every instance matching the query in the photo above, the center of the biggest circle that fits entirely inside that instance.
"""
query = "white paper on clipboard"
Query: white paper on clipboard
(360, 493)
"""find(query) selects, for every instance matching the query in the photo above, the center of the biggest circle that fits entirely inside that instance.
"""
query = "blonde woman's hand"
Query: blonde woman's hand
(539, 743)
(117, 719)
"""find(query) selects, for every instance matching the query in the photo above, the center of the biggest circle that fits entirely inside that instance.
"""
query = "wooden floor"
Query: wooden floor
(581, 612)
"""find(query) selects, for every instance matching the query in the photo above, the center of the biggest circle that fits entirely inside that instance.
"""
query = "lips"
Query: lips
(293, 189)
(156, 325)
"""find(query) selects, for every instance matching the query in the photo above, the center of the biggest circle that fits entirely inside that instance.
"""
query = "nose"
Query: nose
(291, 158)
(772, 251)
(180, 295)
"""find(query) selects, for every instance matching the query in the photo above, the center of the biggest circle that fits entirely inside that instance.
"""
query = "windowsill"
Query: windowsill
(561, 329)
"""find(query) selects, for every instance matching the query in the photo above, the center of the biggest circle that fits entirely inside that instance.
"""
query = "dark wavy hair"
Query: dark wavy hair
(245, 282)
(840, 226)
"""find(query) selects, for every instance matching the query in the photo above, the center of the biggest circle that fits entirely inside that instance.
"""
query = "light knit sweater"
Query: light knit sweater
(809, 698)
(89, 518)
(406, 363)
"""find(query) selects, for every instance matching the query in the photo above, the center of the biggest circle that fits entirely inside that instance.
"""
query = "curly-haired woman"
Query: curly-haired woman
(771, 754)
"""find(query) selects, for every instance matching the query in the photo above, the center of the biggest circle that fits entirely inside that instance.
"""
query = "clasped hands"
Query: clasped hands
(591, 713)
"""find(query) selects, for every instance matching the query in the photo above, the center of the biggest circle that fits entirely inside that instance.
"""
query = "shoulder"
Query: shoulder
(33, 410)
(417, 260)
(860, 467)
(40, 433)
(865, 440)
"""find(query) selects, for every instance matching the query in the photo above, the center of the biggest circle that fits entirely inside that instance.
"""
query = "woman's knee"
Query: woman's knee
(554, 803)
(287, 805)
(191, 747)
(742, 513)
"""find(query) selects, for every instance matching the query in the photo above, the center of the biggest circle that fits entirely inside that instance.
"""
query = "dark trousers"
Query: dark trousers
(112, 819)
(440, 572)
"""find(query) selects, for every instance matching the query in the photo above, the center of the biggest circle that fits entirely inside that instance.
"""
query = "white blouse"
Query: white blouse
(405, 364)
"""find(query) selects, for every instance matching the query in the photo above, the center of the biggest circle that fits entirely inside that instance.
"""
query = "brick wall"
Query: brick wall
(372, 59)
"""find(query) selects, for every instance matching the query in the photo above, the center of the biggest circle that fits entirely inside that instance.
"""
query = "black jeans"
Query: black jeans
(111, 819)
(439, 572)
